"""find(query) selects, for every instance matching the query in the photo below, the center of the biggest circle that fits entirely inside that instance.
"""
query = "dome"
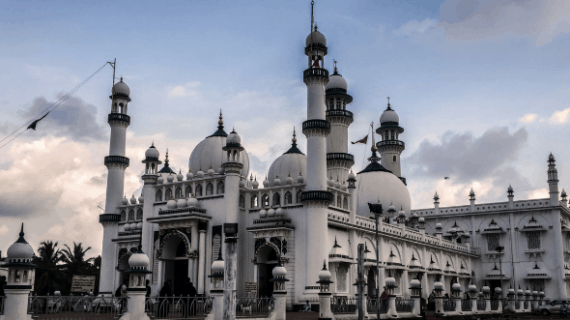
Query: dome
(279, 211)
(211, 172)
(271, 213)
(121, 88)
(181, 203)
(291, 162)
(133, 200)
(170, 178)
(218, 267)
(20, 251)
(141, 199)
(125, 201)
(171, 204)
(324, 274)
(180, 176)
(152, 153)
(189, 175)
(279, 271)
(300, 178)
(191, 201)
(337, 184)
(233, 138)
(389, 115)
(472, 288)
(383, 186)
(266, 183)
(289, 180)
(316, 37)
(486, 289)
(160, 180)
(498, 290)
(421, 219)
(209, 153)
(139, 260)
(200, 173)
(336, 81)
(520, 291)
(415, 283)
(133, 226)
(391, 282)
(438, 286)
(276, 181)
(126, 227)
(456, 287)
(343, 186)
(139, 225)
(255, 184)
(511, 291)
(263, 213)
(351, 176)
(402, 214)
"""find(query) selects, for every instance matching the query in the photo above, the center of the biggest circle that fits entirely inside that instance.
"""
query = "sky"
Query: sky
(480, 87)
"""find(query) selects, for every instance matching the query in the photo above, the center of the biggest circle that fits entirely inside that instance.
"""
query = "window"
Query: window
(288, 198)
(345, 203)
(158, 195)
(343, 105)
(139, 214)
(168, 194)
(216, 243)
(339, 201)
(298, 200)
(241, 201)
(341, 277)
(276, 199)
(394, 158)
(253, 201)
(492, 242)
(131, 215)
(199, 190)
(220, 188)
(331, 104)
(188, 191)
(123, 216)
(178, 193)
(533, 239)
(338, 104)
(209, 189)
(265, 200)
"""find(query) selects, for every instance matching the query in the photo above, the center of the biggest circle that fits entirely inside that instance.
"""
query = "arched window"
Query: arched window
(158, 195)
(241, 201)
(331, 104)
(131, 215)
(276, 199)
(188, 191)
(288, 198)
(343, 104)
(139, 214)
(339, 201)
(123, 216)
(298, 199)
(220, 188)
(168, 194)
(209, 189)
(198, 190)
(394, 158)
(345, 203)
(338, 104)
(265, 201)
(253, 203)
(178, 193)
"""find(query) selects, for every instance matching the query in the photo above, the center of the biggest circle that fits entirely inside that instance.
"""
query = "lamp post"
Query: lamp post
(376, 209)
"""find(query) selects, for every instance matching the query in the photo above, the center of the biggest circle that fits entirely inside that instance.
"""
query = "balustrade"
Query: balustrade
(344, 305)
(404, 305)
(481, 304)
(254, 307)
(449, 305)
(466, 305)
(49, 307)
(494, 304)
(372, 306)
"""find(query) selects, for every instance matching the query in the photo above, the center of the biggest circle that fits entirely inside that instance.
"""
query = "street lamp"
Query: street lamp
(376, 209)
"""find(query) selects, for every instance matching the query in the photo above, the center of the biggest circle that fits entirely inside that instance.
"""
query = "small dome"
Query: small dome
(263, 213)
(414, 263)
(255, 184)
(152, 153)
(291, 162)
(471, 193)
(438, 226)
(266, 183)
(415, 283)
(180, 176)
(279, 212)
(511, 291)
(171, 204)
(289, 180)
(133, 226)
(218, 266)
(336, 81)
(520, 291)
(498, 290)
(330, 182)
(200, 174)
(233, 138)
(337, 184)
(139, 261)
(300, 178)
(141, 199)
(563, 194)
(486, 289)
(121, 88)
(279, 271)
(389, 115)
(324, 274)
(391, 208)
(127, 226)
(541, 293)
(181, 203)
(402, 214)
(438, 286)
(211, 172)
(316, 37)
(421, 219)
(241, 183)
(160, 180)
(191, 201)
(139, 225)
(527, 292)
(276, 181)
(391, 281)
(20, 251)
(170, 178)
(343, 186)
(189, 175)
(351, 176)
(456, 287)
(510, 189)
(271, 213)
(133, 200)
(125, 201)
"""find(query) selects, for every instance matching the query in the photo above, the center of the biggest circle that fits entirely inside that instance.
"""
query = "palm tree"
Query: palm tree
(48, 274)
(75, 263)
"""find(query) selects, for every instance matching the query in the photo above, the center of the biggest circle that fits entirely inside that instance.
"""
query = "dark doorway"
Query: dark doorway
(371, 285)
(180, 275)
(267, 260)
(493, 284)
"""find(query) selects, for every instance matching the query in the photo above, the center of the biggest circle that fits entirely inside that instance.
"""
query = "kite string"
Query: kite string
(51, 107)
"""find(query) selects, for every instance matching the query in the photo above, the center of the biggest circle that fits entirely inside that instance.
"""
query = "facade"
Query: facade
(310, 208)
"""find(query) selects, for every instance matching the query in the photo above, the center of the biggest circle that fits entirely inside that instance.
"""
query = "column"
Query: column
(202, 262)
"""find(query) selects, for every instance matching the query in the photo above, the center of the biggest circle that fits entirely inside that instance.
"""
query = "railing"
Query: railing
(390, 143)
(466, 305)
(448, 305)
(61, 307)
(481, 304)
(404, 305)
(372, 306)
(526, 304)
(254, 307)
(311, 72)
(344, 305)
(119, 117)
(178, 307)
(340, 156)
(494, 304)
(1, 305)
(339, 113)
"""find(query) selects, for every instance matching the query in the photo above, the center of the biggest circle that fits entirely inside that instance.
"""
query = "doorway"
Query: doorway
(266, 261)
(175, 264)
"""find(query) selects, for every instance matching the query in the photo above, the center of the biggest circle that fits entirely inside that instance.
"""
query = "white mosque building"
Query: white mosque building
(312, 208)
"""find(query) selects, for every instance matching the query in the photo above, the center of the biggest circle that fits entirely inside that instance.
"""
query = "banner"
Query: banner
(82, 283)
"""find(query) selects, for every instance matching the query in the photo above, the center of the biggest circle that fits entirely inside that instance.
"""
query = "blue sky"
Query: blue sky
(480, 87)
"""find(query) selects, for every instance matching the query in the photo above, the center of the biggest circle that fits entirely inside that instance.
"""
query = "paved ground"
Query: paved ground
(302, 315)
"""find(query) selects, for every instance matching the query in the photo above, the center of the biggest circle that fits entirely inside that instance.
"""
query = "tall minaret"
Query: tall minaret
(116, 163)
(316, 198)
(339, 161)
(553, 181)
(390, 147)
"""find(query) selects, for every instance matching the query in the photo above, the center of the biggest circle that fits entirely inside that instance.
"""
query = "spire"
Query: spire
(388, 104)
(220, 132)
(221, 121)
(335, 69)
(294, 148)
(166, 159)
(374, 159)
(21, 238)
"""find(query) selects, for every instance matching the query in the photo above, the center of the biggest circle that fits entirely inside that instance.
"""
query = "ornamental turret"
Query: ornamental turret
(553, 181)
(390, 147)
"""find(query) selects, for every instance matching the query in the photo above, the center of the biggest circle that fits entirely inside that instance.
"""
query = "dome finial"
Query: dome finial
(121, 79)
(21, 238)
(221, 121)
(166, 159)
(294, 136)
(388, 104)
(335, 69)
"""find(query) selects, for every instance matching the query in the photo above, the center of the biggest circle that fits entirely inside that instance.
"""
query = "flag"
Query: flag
(363, 140)
(33, 125)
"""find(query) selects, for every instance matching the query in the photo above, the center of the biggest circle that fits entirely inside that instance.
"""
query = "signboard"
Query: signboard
(251, 289)
(82, 283)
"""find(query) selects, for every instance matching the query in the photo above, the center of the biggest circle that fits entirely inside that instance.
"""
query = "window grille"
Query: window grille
(139, 214)
(220, 189)
(492, 242)
(158, 195)
(341, 277)
(188, 191)
(265, 200)
(241, 201)
(276, 199)
(209, 189)
(131, 215)
(199, 190)
(168, 194)
(339, 201)
(178, 193)
(533, 239)
(288, 198)
(345, 203)
(254, 201)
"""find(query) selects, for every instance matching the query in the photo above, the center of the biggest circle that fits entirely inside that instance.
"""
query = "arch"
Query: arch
(298, 197)
(394, 158)
(345, 203)
(276, 199)
(178, 193)
(123, 262)
(168, 194)
(209, 189)
(338, 102)
(169, 245)
(158, 196)
(253, 203)
(220, 187)
(123, 215)
(241, 201)
(288, 198)
(139, 214)
(339, 201)
(331, 104)
(265, 200)
(188, 191)
(264, 253)
(131, 215)
(198, 190)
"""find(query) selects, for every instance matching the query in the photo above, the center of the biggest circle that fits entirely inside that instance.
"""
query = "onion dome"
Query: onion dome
(402, 214)
(498, 290)
(527, 292)
(436, 197)
(289, 180)
(139, 261)
(300, 178)
(139, 225)
(200, 173)
(189, 175)
(330, 182)
(218, 266)
(415, 263)
(337, 184)
(121, 89)
(415, 284)
(472, 194)
(438, 286)
(279, 272)
(456, 287)
(495, 271)
(391, 209)
(263, 213)
(510, 189)
(209, 152)
(125, 201)
(211, 172)
(511, 291)
(133, 200)
(563, 194)
(170, 178)
(221, 171)
(181, 203)
(337, 251)
(438, 227)
(266, 183)
(171, 204)
(316, 38)
(141, 198)
(520, 291)
(233, 138)
(271, 213)
(191, 201)
(152, 154)
(534, 292)
(255, 184)
(473, 288)
(279, 211)
(241, 183)
(541, 294)
(160, 180)
(389, 116)
(390, 281)
(343, 186)
(127, 226)
(421, 219)
(166, 169)
(324, 275)
(133, 226)
(291, 161)
(276, 181)
(20, 253)
(336, 81)
(180, 176)
(486, 289)
(351, 176)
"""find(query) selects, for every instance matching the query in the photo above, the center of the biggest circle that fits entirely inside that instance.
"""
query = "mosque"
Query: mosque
(312, 208)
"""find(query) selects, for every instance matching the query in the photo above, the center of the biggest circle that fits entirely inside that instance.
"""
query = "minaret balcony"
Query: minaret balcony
(339, 113)
(316, 72)
(316, 127)
(117, 160)
(119, 117)
(344, 157)
(386, 143)
(317, 195)
(109, 217)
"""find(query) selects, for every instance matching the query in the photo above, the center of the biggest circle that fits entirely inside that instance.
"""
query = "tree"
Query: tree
(75, 263)
(48, 274)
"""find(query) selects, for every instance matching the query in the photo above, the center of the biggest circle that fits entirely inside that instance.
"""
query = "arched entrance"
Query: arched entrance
(122, 267)
(175, 260)
(266, 261)
(371, 283)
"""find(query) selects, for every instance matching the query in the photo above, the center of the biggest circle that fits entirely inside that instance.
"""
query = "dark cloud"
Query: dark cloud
(466, 158)
(73, 118)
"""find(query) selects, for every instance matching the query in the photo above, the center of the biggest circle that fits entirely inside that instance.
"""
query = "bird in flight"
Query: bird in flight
(446, 178)
(35, 123)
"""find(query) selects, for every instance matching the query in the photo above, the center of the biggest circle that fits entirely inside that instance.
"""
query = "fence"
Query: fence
(254, 307)
(404, 305)
(494, 304)
(466, 305)
(76, 307)
(344, 305)
(372, 306)
(448, 305)
(178, 307)
(481, 304)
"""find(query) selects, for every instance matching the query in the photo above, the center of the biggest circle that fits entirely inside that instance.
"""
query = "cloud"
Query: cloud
(74, 118)
(560, 117)
(415, 27)
(4, 230)
(186, 90)
(529, 118)
(464, 157)
(539, 20)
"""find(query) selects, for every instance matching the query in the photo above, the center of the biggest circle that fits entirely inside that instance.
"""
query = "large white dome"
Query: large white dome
(316, 38)
(336, 81)
(376, 183)
(389, 115)
(121, 88)
(208, 153)
(293, 162)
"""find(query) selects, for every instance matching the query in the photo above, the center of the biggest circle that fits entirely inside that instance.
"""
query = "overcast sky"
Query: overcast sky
(480, 87)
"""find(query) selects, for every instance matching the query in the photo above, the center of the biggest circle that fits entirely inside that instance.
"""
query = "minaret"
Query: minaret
(339, 161)
(390, 147)
(116, 163)
(553, 181)
(315, 198)
(149, 179)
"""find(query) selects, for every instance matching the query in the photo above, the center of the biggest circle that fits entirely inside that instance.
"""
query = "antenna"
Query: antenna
(312, 19)
(114, 65)
(101, 208)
